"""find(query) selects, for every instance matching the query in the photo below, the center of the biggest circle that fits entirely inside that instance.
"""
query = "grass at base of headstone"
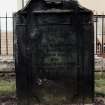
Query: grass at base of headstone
(7, 88)
(99, 75)
(100, 84)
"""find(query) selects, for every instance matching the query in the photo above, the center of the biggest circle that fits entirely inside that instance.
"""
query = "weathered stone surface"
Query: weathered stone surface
(54, 53)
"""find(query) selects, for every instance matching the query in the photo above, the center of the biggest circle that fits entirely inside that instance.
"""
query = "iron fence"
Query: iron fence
(99, 35)
(7, 35)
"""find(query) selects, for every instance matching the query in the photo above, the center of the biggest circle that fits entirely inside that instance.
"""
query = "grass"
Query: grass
(7, 87)
(100, 84)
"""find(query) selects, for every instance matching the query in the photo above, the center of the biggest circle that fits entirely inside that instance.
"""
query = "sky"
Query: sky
(7, 5)
(96, 5)
(10, 6)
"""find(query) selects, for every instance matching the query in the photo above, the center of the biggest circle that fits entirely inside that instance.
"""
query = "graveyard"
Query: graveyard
(54, 55)
(8, 87)
(8, 81)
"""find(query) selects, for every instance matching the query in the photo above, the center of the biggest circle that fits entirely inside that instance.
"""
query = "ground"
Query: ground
(100, 88)
(8, 87)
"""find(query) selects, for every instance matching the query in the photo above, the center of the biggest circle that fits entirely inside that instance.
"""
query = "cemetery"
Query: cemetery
(53, 55)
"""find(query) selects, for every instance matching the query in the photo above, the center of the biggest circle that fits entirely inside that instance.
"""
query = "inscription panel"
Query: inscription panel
(56, 65)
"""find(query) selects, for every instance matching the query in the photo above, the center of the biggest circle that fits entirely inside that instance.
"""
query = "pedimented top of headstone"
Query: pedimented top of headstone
(59, 1)
(36, 5)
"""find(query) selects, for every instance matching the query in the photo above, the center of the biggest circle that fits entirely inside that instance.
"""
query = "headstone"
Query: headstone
(54, 53)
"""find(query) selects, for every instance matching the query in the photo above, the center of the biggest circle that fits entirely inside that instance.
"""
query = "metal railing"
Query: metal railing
(99, 35)
(7, 35)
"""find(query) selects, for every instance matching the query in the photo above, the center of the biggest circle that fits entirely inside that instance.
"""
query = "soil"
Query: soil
(11, 100)
(8, 100)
